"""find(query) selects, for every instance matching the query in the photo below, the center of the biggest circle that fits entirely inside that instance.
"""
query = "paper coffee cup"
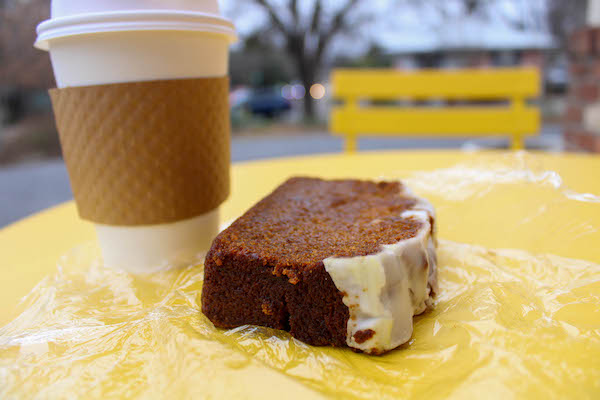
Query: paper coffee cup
(102, 42)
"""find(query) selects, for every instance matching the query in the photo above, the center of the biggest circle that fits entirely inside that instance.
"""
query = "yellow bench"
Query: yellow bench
(515, 85)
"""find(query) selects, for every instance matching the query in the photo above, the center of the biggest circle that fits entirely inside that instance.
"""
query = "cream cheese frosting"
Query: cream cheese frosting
(383, 291)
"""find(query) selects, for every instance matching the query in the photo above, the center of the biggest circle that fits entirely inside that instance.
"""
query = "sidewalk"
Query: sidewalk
(28, 188)
(257, 147)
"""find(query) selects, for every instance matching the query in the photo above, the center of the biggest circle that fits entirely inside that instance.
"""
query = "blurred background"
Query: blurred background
(280, 90)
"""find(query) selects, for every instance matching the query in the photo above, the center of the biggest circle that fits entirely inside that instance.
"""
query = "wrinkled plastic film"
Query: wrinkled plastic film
(509, 321)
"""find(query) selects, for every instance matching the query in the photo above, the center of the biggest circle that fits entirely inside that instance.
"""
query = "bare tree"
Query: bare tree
(566, 16)
(307, 34)
(22, 66)
(23, 69)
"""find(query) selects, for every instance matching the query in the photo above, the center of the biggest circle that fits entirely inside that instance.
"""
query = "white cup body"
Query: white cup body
(151, 248)
(133, 56)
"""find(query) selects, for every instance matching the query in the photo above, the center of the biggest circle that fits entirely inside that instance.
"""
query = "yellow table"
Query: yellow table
(491, 199)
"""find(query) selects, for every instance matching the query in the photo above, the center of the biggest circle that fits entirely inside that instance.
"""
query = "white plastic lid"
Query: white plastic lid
(78, 17)
(67, 8)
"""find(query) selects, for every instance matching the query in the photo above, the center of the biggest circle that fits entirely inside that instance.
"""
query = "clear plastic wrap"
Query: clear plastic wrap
(507, 322)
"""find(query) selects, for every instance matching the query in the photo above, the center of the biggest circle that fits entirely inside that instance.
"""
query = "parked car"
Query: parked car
(267, 102)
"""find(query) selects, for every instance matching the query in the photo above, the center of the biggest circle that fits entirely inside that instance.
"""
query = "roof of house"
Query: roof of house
(463, 34)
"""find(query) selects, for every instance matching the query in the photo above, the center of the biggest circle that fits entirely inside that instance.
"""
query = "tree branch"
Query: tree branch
(293, 5)
(337, 24)
(316, 17)
(270, 8)
(339, 19)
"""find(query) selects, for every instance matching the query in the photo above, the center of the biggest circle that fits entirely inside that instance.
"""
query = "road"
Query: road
(31, 187)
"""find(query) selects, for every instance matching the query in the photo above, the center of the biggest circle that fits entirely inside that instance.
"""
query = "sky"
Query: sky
(412, 25)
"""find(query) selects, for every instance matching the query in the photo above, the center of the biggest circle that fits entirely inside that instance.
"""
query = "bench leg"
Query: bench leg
(517, 143)
(351, 144)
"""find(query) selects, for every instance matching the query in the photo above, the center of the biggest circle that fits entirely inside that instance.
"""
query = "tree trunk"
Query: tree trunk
(308, 65)
(14, 105)
(309, 102)
(308, 72)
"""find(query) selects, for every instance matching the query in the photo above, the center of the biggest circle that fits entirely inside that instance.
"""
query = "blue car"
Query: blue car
(267, 102)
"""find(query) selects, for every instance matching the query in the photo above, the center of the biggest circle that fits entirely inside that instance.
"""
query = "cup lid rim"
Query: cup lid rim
(132, 20)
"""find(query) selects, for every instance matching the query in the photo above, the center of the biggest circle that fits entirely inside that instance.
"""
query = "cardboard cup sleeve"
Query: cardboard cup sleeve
(146, 153)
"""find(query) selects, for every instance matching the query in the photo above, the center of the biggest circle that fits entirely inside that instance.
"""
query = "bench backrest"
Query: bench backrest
(514, 85)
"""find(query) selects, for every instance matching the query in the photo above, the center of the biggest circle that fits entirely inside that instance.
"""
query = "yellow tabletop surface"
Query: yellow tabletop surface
(497, 200)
